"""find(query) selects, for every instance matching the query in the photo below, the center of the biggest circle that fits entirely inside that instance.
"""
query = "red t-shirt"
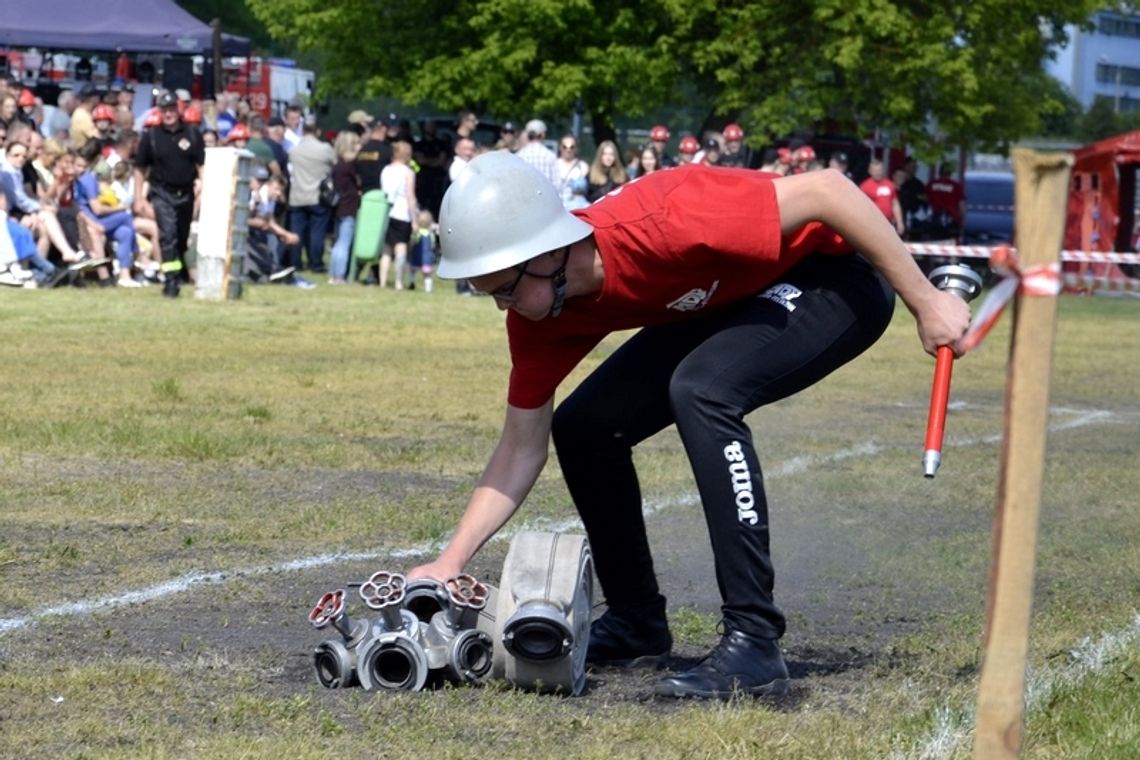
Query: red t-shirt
(673, 243)
(945, 194)
(883, 193)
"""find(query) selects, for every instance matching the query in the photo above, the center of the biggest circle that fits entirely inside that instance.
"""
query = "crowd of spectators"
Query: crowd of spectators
(72, 211)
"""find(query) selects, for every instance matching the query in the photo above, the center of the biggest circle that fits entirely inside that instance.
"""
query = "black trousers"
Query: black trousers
(173, 212)
(704, 376)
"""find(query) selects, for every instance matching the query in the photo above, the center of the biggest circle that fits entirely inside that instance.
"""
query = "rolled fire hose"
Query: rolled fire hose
(542, 624)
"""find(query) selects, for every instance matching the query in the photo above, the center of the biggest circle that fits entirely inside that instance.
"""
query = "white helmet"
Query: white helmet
(500, 212)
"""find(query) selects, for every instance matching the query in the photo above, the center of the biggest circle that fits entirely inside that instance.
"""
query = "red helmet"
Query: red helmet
(103, 112)
(733, 132)
(153, 118)
(239, 132)
(659, 133)
(192, 115)
(804, 154)
(27, 98)
(689, 145)
(785, 155)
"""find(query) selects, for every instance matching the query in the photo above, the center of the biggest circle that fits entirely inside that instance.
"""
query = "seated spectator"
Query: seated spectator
(645, 162)
(149, 259)
(44, 165)
(267, 239)
(57, 118)
(38, 217)
(98, 203)
(30, 110)
(8, 108)
(606, 172)
(24, 254)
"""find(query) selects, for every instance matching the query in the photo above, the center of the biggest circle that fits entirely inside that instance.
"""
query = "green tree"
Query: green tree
(1099, 121)
(236, 18)
(931, 72)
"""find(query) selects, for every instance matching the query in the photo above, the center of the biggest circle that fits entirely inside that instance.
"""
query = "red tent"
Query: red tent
(1101, 215)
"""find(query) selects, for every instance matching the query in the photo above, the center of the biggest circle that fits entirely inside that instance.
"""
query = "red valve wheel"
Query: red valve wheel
(329, 608)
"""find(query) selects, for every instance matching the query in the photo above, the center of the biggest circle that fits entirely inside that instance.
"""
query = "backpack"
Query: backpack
(327, 193)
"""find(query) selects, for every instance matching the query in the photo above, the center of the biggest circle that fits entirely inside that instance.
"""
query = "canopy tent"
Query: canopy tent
(1102, 195)
(139, 26)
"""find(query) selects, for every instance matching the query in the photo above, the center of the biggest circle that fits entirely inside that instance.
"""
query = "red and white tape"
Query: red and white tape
(984, 252)
(1042, 280)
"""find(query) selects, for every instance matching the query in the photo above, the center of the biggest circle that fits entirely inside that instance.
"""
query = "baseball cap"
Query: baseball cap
(182, 94)
(392, 120)
(166, 99)
(509, 127)
(712, 144)
(360, 117)
(536, 127)
(839, 156)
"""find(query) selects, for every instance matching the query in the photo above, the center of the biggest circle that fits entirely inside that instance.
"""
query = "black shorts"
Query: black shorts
(399, 231)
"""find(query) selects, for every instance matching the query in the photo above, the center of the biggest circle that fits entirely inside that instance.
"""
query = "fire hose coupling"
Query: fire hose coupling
(426, 632)
(335, 660)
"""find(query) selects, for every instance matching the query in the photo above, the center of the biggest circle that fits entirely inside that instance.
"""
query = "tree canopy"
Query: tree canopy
(935, 73)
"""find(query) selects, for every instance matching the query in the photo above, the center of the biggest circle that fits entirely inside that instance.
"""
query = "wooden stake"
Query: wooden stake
(1042, 183)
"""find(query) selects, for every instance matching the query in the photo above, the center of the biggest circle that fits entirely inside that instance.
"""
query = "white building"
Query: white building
(1103, 62)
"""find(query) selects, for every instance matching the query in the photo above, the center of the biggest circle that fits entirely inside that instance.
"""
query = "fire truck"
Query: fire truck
(270, 84)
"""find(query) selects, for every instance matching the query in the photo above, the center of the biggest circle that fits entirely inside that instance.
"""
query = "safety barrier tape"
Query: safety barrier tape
(984, 252)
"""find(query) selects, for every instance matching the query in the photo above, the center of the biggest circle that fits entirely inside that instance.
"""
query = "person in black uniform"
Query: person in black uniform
(174, 154)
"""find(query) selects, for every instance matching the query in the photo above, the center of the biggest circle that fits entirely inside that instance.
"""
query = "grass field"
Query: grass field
(144, 442)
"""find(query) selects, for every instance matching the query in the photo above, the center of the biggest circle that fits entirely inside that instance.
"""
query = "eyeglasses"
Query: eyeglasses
(505, 294)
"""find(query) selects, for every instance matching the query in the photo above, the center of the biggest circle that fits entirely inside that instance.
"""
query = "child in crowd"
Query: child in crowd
(424, 248)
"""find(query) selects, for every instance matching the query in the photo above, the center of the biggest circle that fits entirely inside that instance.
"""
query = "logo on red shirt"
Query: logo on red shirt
(695, 298)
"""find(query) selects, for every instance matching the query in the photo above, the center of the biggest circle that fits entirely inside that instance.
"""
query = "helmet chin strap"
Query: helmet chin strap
(558, 283)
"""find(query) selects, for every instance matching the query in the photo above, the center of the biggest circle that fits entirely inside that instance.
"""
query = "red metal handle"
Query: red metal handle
(936, 422)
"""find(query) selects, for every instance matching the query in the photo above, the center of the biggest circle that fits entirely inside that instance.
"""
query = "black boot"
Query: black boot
(631, 636)
(740, 664)
(171, 287)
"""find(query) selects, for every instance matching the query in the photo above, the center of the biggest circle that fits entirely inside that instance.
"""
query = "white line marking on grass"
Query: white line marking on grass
(186, 582)
(953, 728)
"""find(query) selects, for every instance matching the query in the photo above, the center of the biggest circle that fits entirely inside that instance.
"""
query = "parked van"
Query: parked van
(989, 207)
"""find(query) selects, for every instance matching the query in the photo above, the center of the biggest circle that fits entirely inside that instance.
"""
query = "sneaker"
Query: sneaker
(21, 274)
(11, 280)
(127, 282)
(630, 637)
(281, 274)
(740, 664)
(171, 287)
(86, 261)
(302, 283)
